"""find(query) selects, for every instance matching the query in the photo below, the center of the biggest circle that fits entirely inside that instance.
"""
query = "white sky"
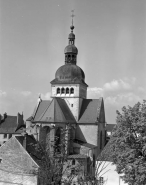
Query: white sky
(110, 37)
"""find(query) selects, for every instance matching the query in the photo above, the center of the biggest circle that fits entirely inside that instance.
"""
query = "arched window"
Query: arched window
(69, 57)
(67, 90)
(72, 91)
(100, 139)
(62, 91)
(58, 90)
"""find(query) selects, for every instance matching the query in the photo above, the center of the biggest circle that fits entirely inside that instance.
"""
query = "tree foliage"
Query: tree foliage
(128, 144)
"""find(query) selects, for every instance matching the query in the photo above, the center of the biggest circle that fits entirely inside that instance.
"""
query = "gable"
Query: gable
(48, 113)
(15, 158)
(43, 105)
(56, 111)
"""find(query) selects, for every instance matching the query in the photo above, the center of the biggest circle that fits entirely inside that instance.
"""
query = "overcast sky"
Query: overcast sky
(110, 37)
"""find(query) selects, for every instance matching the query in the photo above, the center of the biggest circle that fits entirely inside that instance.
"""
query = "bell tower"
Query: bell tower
(69, 82)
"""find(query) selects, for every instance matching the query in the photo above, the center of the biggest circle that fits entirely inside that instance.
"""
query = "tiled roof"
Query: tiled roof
(90, 111)
(12, 124)
(30, 146)
(43, 105)
(77, 156)
(109, 127)
(54, 111)
(105, 154)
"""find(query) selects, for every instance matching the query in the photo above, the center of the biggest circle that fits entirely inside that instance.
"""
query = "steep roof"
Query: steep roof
(54, 111)
(91, 110)
(17, 159)
(105, 153)
(109, 127)
(30, 146)
(12, 124)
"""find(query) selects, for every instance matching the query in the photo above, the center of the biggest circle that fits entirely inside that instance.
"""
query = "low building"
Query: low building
(17, 163)
(10, 126)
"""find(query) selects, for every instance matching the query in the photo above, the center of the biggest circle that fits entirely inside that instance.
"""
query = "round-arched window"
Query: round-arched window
(72, 91)
(67, 90)
(62, 91)
(58, 90)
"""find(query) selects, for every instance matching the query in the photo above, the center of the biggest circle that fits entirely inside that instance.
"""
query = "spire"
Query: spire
(72, 26)
(71, 51)
(72, 35)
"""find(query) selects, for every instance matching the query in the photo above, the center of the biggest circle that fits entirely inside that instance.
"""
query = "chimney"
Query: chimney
(24, 138)
(5, 116)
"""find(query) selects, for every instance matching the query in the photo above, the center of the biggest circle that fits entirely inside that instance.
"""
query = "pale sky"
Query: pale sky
(110, 37)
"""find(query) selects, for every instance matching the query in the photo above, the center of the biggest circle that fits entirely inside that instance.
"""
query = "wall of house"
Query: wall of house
(74, 105)
(7, 178)
(16, 164)
(87, 133)
(79, 90)
(6, 137)
(110, 176)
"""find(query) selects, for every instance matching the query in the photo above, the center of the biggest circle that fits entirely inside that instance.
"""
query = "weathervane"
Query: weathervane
(72, 16)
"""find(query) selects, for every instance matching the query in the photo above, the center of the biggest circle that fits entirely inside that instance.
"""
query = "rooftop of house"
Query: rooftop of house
(109, 127)
(11, 124)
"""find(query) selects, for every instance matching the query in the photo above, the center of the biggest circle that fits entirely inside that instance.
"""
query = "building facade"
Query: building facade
(10, 126)
(70, 106)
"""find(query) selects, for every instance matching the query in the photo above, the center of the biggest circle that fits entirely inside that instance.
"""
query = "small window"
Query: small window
(72, 91)
(5, 135)
(93, 160)
(69, 57)
(62, 91)
(0, 160)
(67, 90)
(58, 90)
(71, 105)
(101, 180)
(73, 162)
(10, 135)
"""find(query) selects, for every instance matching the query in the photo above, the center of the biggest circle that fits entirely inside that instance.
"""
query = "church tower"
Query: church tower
(69, 83)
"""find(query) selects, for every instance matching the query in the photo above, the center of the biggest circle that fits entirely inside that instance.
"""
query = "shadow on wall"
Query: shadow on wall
(79, 135)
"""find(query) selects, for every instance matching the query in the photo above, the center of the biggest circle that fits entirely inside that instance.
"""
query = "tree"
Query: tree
(52, 156)
(128, 144)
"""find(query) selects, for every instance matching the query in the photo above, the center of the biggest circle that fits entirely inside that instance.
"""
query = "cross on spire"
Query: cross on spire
(72, 16)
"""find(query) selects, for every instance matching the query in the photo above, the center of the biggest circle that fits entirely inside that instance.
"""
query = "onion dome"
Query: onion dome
(70, 73)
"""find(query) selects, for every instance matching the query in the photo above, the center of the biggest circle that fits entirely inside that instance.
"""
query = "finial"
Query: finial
(39, 99)
(72, 26)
